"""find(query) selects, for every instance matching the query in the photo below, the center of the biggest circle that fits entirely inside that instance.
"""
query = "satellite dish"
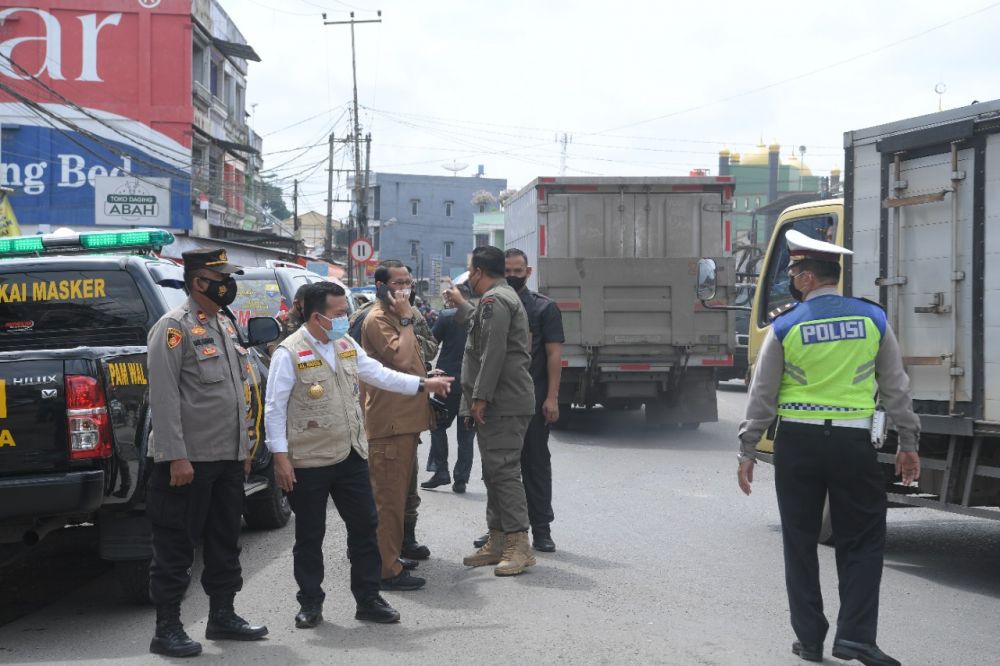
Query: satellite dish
(455, 167)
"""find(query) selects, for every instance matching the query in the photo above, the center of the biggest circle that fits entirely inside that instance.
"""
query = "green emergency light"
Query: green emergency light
(97, 241)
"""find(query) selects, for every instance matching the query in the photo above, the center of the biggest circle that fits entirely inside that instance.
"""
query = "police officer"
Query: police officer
(817, 370)
(199, 388)
(498, 395)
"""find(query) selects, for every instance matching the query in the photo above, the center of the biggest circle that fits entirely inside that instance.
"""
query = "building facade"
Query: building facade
(427, 221)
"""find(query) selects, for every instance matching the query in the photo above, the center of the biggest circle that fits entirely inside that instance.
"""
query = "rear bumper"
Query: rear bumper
(51, 494)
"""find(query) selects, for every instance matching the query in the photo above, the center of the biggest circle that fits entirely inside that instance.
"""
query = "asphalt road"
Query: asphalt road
(660, 560)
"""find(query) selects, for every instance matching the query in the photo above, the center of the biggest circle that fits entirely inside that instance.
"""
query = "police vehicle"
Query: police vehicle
(75, 418)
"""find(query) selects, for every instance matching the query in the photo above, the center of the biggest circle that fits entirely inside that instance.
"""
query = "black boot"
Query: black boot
(542, 539)
(411, 549)
(170, 638)
(439, 479)
(225, 625)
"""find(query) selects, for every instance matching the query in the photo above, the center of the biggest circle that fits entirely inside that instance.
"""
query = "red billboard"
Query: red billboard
(96, 111)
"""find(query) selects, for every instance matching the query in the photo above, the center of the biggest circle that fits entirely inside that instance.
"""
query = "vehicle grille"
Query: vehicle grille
(105, 337)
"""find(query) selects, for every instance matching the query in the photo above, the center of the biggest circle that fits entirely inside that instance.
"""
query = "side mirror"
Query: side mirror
(261, 330)
(705, 288)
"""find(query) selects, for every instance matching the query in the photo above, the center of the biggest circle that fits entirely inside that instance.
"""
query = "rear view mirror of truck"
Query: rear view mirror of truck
(261, 330)
(705, 288)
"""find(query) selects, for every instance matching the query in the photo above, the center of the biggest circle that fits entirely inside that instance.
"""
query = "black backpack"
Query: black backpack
(358, 321)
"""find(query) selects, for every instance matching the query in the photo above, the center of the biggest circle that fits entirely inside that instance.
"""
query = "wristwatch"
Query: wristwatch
(420, 387)
(405, 321)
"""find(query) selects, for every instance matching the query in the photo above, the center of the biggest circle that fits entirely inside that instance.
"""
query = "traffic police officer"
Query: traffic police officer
(199, 389)
(498, 395)
(817, 371)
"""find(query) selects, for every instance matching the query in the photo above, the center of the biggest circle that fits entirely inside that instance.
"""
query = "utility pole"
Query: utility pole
(360, 188)
(328, 241)
(363, 214)
(296, 227)
(564, 141)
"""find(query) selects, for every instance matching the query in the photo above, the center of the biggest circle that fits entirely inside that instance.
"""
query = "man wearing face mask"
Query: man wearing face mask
(315, 431)
(817, 372)
(198, 383)
(498, 397)
(393, 423)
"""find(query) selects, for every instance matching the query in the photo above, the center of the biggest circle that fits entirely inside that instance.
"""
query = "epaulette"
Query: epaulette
(871, 302)
(782, 310)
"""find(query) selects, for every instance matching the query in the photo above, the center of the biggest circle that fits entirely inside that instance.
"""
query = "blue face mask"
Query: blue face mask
(338, 326)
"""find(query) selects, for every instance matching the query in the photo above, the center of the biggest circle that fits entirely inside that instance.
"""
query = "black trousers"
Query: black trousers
(536, 471)
(349, 485)
(208, 511)
(811, 461)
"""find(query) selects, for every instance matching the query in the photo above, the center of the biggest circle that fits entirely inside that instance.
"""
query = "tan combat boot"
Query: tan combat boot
(491, 552)
(516, 555)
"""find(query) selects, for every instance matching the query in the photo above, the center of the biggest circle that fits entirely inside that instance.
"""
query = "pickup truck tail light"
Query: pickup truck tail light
(87, 419)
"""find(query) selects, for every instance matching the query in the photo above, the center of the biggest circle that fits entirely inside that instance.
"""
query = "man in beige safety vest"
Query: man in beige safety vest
(316, 432)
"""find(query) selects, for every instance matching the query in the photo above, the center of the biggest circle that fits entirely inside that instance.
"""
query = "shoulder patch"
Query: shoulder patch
(488, 299)
(784, 309)
(174, 337)
(487, 310)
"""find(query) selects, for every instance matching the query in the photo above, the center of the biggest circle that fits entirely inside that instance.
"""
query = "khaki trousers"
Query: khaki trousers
(391, 462)
(501, 439)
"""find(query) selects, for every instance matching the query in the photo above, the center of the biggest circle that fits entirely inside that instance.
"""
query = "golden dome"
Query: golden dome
(834, 172)
(793, 161)
(756, 157)
(724, 152)
(774, 148)
(734, 158)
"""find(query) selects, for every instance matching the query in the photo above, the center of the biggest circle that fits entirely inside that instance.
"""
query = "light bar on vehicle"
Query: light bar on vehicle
(131, 239)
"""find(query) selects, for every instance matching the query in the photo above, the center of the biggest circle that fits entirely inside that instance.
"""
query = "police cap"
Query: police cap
(214, 259)
(802, 247)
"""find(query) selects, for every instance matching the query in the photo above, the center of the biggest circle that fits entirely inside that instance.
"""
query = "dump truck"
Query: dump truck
(620, 258)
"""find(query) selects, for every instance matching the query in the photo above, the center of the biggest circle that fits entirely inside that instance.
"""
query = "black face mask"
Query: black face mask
(221, 292)
(796, 293)
(517, 283)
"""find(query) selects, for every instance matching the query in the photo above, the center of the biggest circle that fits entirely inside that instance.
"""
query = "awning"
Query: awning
(233, 145)
(235, 50)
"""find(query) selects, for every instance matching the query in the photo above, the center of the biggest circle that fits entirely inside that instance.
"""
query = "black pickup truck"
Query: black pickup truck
(75, 418)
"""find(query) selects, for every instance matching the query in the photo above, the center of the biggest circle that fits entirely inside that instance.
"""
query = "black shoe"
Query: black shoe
(481, 541)
(541, 540)
(411, 549)
(376, 609)
(309, 617)
(409, 564)
(226, 625)
(867, 653)
(439, 479)
(808, 651)
(172, 641)
(404, 582)
(458, 487)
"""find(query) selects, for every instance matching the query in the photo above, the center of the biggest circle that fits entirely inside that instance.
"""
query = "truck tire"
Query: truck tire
(269, 509)
(826, 528)
(133, 579)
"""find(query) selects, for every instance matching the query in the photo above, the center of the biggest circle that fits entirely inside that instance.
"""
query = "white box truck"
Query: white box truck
(620, 256)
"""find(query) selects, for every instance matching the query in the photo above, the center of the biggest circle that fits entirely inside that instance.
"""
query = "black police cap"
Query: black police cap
(215, 260)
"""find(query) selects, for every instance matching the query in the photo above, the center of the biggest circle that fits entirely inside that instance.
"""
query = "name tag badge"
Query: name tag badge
(305, 365)
(347, 354)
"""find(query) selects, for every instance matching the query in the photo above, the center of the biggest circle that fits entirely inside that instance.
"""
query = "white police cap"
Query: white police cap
(802, 247)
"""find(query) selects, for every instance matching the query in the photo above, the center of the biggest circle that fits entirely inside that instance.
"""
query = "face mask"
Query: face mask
(338, 326)
(796, 293)
(221, 292)
(517, 283)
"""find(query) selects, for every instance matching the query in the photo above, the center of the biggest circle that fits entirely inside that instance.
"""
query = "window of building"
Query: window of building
(414, 246)
(482, 240)
(198, 63)
(482, 208)
(447, 210)
(215, 74)
(448, 245)
(413, 206)
(239, 112)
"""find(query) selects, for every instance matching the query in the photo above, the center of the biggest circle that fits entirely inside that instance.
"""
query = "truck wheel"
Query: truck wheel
(133, 579)
(826, 529)
(268, 509)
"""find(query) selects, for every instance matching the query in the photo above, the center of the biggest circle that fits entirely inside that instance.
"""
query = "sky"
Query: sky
(642, 88)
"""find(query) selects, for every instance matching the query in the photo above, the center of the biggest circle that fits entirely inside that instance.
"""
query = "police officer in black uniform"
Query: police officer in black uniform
(200, 392)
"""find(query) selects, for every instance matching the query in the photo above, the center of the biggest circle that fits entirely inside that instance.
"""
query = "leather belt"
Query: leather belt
(862, 423)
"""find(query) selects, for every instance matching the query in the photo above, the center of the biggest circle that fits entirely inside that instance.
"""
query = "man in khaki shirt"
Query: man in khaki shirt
(393, 422)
